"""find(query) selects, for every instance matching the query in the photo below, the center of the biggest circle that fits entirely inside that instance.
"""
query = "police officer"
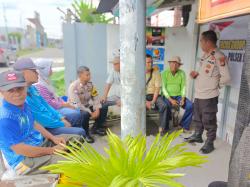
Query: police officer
(83, 95)
(212, 75)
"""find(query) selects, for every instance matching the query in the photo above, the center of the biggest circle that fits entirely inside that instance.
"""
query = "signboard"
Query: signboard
(155, 36)
(157, 54)
(232, 34)
(155, 41)
(210, 10)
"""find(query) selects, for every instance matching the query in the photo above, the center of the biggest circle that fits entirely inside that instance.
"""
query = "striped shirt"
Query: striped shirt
(51, 98)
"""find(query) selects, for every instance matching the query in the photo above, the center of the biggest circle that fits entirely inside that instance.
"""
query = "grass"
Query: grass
(24, 52)
(58, 82)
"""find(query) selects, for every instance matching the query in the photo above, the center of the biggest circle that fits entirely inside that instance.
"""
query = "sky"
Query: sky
(17, 12)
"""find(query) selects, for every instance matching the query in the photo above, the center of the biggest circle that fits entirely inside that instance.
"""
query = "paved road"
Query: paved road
(53, 53)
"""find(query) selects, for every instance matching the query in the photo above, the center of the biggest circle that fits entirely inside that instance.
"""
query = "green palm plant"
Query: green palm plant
(87, 13)
(127, 163)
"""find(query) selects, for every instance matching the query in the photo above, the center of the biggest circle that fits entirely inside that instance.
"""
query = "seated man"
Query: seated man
(83, 95)
(43, 113)
(76, 117)
(174, 91)
(115, 81)
(153, 86)
(21, 140)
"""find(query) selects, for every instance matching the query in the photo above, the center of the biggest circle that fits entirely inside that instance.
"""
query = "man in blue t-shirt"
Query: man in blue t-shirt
(25, 145)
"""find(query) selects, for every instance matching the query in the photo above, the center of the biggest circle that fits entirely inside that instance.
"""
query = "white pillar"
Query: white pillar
(132, 39)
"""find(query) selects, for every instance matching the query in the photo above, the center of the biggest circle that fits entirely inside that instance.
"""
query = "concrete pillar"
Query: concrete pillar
(132, 39)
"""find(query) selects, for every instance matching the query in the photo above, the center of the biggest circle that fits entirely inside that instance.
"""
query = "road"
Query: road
(52, 53)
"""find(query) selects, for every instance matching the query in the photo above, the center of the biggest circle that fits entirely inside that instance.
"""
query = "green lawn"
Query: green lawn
(58, 82)
(24, 52)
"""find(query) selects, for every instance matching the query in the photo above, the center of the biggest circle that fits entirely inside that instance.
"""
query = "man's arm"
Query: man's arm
(157, 87)
(32, 151)
(74, 99)
(35, 151)
(164, 89)
(43, 131)
(224, 71)
(106, 92)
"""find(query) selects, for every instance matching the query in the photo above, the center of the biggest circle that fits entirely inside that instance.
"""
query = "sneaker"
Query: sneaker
(89, 139)
(196, 137)
(98, 131)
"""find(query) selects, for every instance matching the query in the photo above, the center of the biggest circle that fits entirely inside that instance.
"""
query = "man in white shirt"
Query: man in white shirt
(114, 82)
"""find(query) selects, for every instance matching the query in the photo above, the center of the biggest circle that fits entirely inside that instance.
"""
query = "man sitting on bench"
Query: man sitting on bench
(153, 99)
(22, 141)
(174, 91)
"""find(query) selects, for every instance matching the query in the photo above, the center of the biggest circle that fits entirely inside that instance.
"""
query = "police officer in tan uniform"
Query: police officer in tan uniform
(212, 75)
(83, 95)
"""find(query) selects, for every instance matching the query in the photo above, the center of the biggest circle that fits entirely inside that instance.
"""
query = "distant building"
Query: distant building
(35, 32)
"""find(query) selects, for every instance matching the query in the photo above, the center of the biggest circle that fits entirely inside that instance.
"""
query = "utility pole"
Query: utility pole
(5, 23)
(132, 40)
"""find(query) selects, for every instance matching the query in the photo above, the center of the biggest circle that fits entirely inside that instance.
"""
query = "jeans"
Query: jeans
(188, 106)
(161, 106)
(77, 118)
(103, 115)
(67, 130)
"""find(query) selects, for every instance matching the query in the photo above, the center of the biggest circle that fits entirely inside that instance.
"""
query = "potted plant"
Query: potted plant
(127, 163)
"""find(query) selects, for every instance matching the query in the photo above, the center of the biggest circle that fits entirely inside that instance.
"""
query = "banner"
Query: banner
(232, 34)
(155, 36)
(155, 41)
(210, 10)
(157, 54)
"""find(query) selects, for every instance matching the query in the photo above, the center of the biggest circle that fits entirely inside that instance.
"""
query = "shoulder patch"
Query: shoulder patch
(94, 92)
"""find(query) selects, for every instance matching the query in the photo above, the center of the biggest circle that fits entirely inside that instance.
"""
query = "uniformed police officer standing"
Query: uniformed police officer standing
(212, 75)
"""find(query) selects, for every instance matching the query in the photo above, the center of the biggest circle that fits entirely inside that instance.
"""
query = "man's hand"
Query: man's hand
(118, 102)
(194, 74)
(173, 102)
(103, 99)
(148, 105)
(182, 103)
(68, 105)
(58, 140)
(66, 123)
(59, 147)
(95, 114)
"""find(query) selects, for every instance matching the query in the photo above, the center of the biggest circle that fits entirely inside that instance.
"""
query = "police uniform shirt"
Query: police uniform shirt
(213, 74)
(83, 96)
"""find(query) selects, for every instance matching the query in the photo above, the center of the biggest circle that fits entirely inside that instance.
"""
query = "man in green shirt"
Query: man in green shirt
(174, 91)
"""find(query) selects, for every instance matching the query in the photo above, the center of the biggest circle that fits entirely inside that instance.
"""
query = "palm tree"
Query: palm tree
(127, 163)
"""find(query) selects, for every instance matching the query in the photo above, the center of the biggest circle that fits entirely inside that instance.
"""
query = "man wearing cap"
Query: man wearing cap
(153, 99)
(21, 139)
(115, 82)
(43, 113)
(213, 74)
(174, 91)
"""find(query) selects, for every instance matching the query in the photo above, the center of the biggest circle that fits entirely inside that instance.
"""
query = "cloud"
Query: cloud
(17, 12)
